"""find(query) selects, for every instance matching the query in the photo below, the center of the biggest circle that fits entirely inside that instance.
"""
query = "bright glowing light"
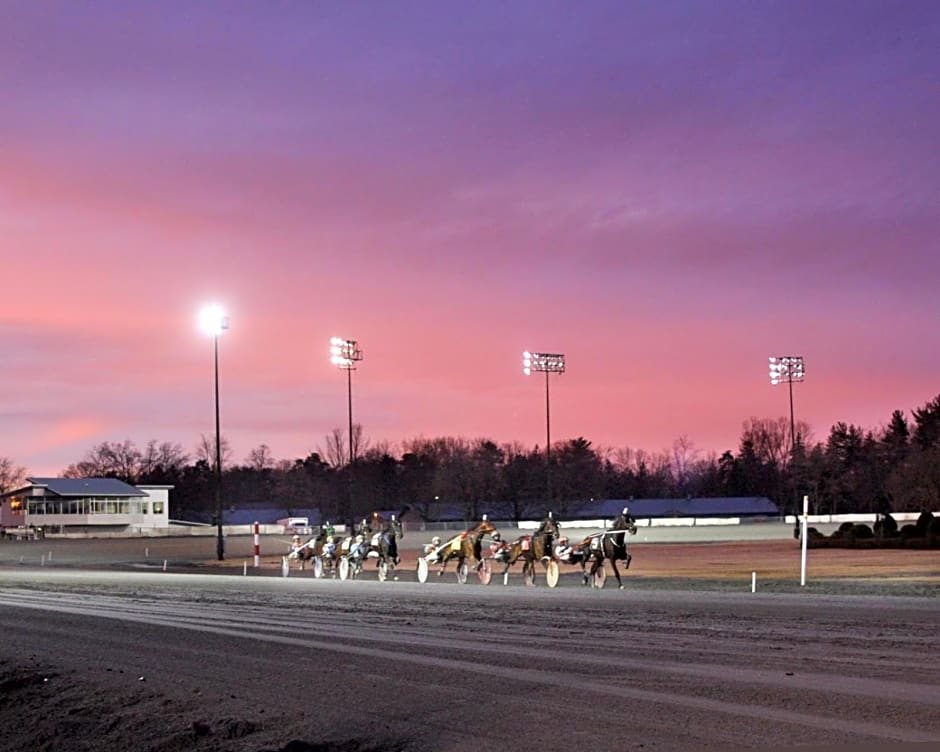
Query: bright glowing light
(212, 320)
(786, 369)
(344, 353)
(543, 362)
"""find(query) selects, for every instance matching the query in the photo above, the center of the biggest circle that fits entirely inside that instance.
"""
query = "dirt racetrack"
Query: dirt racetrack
(775, 562)
(103, 651)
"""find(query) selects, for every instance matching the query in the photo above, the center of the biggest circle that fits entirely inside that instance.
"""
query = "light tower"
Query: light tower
(547, 363)
(344, 354)
(213, 321)
(788, 369)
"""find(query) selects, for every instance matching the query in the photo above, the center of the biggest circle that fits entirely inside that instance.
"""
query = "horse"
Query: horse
(384, 543)
(531, 548)
(610, 545)
(323, 547)
(468, 544)
(302, 552)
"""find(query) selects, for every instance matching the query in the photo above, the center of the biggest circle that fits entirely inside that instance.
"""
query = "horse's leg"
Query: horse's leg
(598, 562)
(613, 563)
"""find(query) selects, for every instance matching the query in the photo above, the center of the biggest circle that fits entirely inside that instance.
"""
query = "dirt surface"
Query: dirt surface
(104, 651)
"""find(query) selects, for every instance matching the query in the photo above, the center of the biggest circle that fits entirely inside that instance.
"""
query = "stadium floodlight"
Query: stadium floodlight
(788, 369)
(213, 321)
(547, 363)
(344, 354)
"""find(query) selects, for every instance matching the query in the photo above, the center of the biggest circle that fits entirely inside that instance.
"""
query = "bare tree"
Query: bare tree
(108, 460)
(337, 446)
(205, 450)
(684, 455)
(164, 456)
(11, 475)
(260, 458)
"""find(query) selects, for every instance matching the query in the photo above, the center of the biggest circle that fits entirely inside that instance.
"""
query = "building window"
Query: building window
(158, 507)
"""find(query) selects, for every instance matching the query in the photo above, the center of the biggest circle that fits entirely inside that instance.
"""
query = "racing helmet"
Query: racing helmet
(436, 540)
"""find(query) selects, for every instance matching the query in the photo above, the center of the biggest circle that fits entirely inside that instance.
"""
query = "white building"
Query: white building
(85, 505)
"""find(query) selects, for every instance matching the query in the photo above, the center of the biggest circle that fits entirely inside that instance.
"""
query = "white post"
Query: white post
(146, 553)
(257, 548)
(753, 582)
(803, 537)
(164, 565)
(245, 569)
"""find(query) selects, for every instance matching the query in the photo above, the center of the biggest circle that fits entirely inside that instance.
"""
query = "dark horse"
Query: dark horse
(610, 545)
(465, 546)
(384, 542)
(531, 548)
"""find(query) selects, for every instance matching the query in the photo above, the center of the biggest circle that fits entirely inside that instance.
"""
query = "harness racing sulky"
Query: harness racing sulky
(540, 546)
(463, 547)
(610, 545)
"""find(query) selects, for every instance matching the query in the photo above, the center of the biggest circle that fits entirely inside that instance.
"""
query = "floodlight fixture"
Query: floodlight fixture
(344, 353)
(542, 363)
(786, 369)
(212, 320)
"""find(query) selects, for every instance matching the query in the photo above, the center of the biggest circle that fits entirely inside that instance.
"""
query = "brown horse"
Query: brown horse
(321, 547)
(531, 548)
(610, 545)
(467, 545)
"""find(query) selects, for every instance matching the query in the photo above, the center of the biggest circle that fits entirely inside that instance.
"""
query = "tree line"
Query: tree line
(894, 467)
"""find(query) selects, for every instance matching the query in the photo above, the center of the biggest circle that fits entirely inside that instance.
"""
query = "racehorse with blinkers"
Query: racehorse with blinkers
(610, 545)
(531, 548)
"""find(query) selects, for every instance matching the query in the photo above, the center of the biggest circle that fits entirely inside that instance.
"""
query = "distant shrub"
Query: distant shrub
(923, 523)
(886, 527)
(845, 529)
(861, 532)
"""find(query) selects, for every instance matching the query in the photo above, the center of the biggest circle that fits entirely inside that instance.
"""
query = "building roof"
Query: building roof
(87, 486)
(719, 506)
(725, 506)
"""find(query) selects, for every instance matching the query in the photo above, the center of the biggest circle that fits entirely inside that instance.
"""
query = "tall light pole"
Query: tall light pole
(787, 369)
(213, 321)
(344, 354)
(548, 363)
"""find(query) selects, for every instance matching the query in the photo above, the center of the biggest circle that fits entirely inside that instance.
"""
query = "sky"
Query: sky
(667, 193)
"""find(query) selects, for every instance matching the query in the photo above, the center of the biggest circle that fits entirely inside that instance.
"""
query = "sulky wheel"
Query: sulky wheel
(383, 571)
(422, 569)
(317, 567)
(344, 568)
(551, 573)
(485, 572)
(600, 577)
(463, 569)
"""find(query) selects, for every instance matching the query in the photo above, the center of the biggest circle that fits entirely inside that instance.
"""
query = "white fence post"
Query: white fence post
(804, 536)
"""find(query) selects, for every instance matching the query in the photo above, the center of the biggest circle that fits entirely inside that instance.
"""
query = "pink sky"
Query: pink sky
(665, 193)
